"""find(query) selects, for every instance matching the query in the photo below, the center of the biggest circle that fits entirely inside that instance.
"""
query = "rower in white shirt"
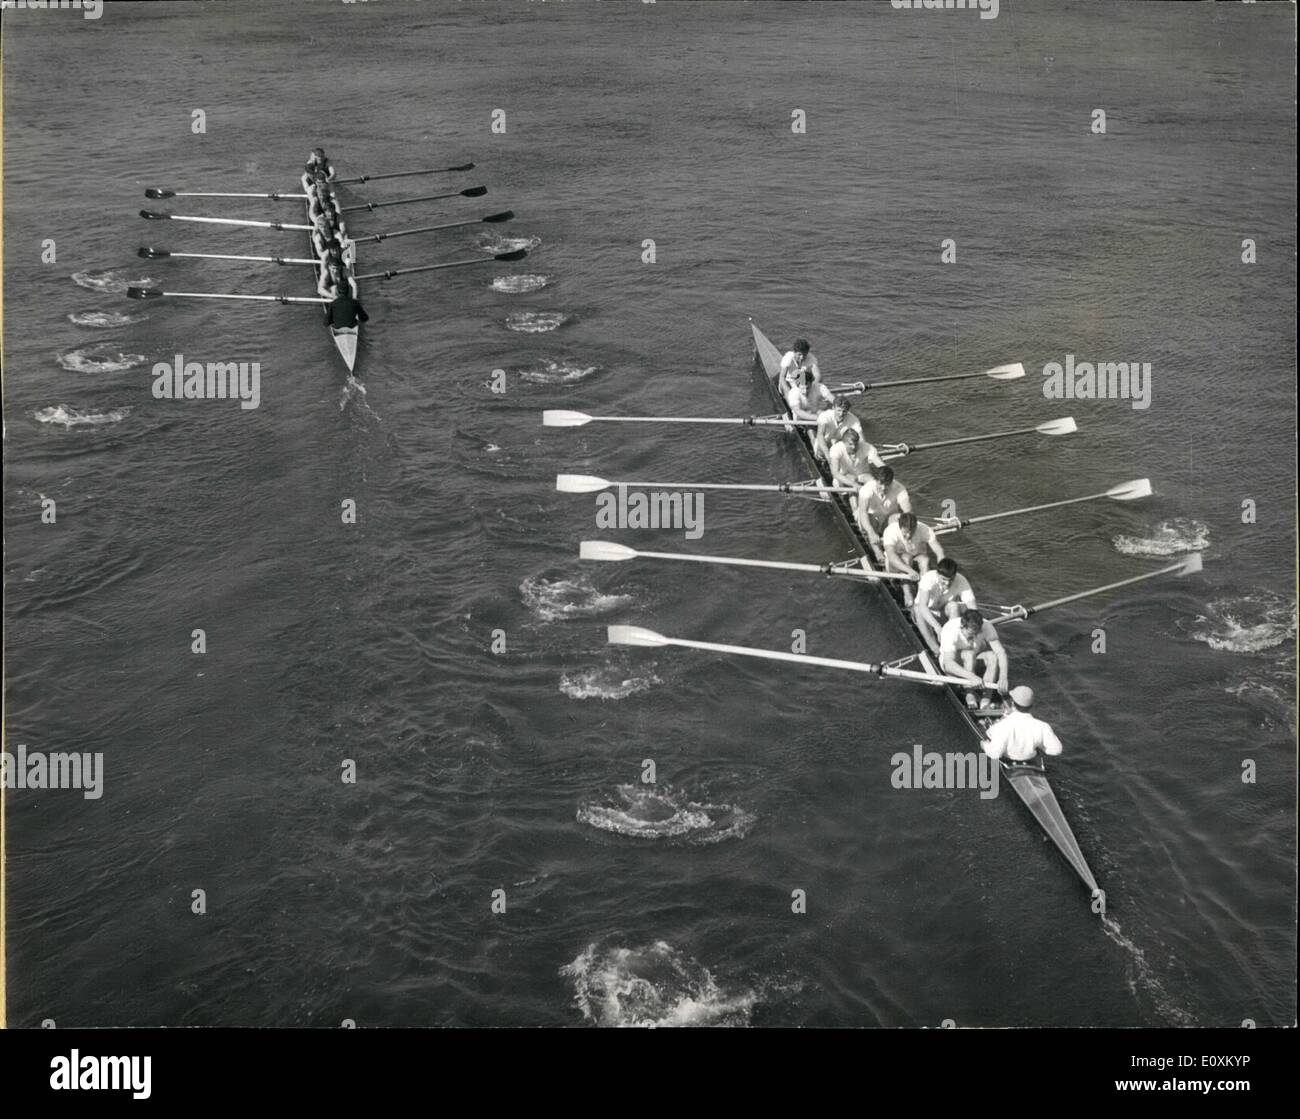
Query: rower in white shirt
(908, 545)
(1018, 737)
(970, 649)
(938, 594)
(795, 362)
(851, 460)
(831, 426)
(809, 399)
(880, 500)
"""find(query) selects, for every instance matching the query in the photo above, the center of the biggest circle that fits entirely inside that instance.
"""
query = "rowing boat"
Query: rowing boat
(1030, 782)
(345, 339)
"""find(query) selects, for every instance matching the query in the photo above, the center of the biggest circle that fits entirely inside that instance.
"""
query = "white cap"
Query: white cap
(1022, 696)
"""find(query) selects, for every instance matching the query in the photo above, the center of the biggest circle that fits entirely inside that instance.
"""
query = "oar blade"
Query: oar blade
(1010, 372)
(504, 215)
(154, 215)
(1190, 566)
(580, 483)
(1130, 491)
(605, 550)
(558, 417)
(150, 253)
(514, 254)
(1065, 426)
(143, 293)
(636, 635)
(473, 192)
(158, 192)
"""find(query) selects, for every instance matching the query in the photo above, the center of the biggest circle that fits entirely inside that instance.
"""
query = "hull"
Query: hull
(345, 340)
(1029, 782)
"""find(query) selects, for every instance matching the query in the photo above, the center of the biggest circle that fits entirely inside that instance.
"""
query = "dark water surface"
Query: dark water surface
(520, 770)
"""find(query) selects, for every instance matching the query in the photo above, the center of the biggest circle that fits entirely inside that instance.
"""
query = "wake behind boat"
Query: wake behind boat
(332, 250)
(957, 648)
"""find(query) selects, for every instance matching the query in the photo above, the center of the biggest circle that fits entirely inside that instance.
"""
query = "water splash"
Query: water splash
(556, 599)
(1249, 623)
(536, 322)
(517, 285)
(102, 357)
(558, 373)
(1168, 538)
(104, 319)
(652, 986)
(499, 243)
(72, 417)
(605, 682)
(661, 812)
(107, 280)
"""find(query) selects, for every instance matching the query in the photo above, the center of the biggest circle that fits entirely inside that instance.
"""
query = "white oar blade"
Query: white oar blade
(635, 635)
(580, 483)
(1131, 491)
(1190, 566)
(1066, 426)
(605, 550)
(1006, 372)
(557, 417)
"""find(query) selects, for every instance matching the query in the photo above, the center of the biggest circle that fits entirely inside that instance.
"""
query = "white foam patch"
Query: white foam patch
(72, 417)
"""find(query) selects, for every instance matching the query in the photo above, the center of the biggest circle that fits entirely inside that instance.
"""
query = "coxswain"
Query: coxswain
(795, 363)
(809, 399)
(851, 460)
(344, 310)
(880, 500)
(1018, 737)
(908, 544)
(938, 594)
(970, 649)
(831, 426)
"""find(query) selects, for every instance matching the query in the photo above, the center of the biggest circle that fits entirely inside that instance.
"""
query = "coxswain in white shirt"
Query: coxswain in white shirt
(795, 363)
(970, 649)
(939, 594)
(810, 399)
(880, 500)
(1018, 737)
(850, 462)
(831, 426)
(908, 545)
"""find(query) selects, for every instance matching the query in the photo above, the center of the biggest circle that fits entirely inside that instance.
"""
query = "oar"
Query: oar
(1125, 491)
(155, 215)
(150, 253)
(649, 639)
(586, 483)
(150, 293)
(517, 254)
(559, 418)
(1190, 566)
(469, 192)
(403, 174)
(504, 215)
(1010, 372)
(1052, 427)
(605, 550)
(160, 192)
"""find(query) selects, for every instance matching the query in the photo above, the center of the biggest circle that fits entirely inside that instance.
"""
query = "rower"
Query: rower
(1018, 737)
(851, 460)
(317, 161)
(880, 500)
(831, 426)
(334, 279)
(937, 594)
(809, 399)
(968, 644)
(797, 361)
(908, 545)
